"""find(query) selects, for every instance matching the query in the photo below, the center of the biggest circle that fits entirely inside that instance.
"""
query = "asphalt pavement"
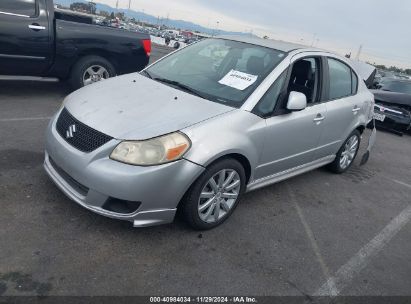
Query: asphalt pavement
(318, 233)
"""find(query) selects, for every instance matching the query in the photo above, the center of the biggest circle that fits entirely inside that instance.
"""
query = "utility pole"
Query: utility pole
(129, 4)
(142, 20)
(117, 5)
(314, 36)
(359, 53)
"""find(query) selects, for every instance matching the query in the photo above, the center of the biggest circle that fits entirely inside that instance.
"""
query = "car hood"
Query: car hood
(134, 107)
(393, 98)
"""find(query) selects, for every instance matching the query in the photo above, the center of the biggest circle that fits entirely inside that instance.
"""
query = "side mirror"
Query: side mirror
(296, 101)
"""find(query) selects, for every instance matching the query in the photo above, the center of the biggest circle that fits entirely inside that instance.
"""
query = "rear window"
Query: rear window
(340, 79)
(18, 7)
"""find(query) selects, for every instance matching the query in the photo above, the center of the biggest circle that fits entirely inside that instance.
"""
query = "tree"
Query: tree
(92, 8)
(104, 14)
(120, 15)
(381, 66)
(112, 16)
(394, 69)
(84, 7)
(79, 6)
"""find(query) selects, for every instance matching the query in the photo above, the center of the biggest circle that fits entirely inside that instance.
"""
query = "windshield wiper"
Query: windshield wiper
(147, 74)
(181, 86)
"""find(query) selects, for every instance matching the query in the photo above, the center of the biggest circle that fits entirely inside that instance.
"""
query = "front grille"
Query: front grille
(79, 135)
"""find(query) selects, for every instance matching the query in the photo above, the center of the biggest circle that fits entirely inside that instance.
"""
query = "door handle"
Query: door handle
(36, 27)
(319, 118)
(356, 109)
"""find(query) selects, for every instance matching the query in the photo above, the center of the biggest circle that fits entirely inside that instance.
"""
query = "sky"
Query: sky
(382, 27)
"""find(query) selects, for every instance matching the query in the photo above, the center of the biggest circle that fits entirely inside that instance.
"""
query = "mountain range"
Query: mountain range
(178, 24)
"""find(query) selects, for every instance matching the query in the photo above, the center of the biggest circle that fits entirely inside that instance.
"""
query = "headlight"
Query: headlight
(154, 151)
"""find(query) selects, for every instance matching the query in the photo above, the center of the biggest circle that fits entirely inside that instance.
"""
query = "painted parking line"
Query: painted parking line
(324, 268)
(24, 119)
(358, 262)
(401, 183)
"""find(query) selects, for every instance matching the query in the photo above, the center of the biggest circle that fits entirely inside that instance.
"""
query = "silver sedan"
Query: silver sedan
(200, 127)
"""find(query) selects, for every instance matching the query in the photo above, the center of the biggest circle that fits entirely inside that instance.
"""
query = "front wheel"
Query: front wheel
(91, 69)
(347, 153)
(215, 194)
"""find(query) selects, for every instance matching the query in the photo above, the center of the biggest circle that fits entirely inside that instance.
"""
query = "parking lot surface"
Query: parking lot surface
(318, 233)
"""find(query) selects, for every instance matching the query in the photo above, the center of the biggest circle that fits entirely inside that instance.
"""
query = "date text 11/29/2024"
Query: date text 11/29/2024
(238, 299)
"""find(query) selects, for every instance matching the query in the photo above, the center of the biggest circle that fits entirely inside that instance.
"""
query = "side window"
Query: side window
(19, 7)
(267, 104)
(340, 79)
(354, 83)
(305, 77)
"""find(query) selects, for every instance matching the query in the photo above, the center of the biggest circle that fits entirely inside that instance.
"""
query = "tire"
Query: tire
(338, 166)
(79, 71)
(191, 203)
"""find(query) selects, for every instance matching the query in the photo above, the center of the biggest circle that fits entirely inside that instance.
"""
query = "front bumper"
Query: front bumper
(398, 125)
(396, 119)
(91, 179)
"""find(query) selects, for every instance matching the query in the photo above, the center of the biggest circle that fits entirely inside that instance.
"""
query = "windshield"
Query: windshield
(397, 86)
(222, 71)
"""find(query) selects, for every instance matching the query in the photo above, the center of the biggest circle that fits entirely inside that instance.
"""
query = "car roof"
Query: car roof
(270, 43)
(392, 97)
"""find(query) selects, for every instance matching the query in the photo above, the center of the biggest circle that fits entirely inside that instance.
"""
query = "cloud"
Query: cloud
(381, 26)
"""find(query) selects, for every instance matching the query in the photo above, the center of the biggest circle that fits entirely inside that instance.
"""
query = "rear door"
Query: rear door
(25, 37)
(342, 104)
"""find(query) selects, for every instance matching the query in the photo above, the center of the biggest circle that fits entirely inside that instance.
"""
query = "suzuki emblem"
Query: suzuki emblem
(70, 132)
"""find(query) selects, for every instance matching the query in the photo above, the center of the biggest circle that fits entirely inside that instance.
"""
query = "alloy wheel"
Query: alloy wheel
(94, 74)
(219, 195)
(348, 154)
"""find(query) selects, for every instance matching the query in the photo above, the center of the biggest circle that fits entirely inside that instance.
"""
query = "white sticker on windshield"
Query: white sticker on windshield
(238, 80)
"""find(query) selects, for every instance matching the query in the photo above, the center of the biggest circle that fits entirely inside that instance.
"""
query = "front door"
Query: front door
(292, 138)
(25, 45)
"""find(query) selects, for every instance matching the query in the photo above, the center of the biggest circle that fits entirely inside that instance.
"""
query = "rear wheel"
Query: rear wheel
(215, 194)
(347, 153)
(91, 69)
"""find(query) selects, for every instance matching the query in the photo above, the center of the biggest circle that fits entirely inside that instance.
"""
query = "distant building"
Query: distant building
(187, 34)
(202, 35)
